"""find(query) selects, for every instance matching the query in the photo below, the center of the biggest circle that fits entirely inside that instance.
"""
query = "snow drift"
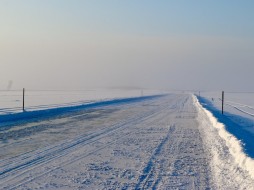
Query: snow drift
(235, 146)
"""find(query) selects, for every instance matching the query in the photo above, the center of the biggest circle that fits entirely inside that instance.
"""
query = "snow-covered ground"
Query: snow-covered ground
(230, 161)
(161, 142)
(12, 101)
(241, 104)
(238, 115)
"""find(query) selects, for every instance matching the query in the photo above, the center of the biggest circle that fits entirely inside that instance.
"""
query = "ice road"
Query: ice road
(164, 142)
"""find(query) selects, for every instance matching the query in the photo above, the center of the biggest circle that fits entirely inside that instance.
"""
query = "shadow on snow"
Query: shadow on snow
(238, 129)
(56, 111)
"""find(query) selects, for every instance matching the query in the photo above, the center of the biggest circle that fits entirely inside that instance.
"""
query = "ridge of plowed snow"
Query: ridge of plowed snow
(229, 162)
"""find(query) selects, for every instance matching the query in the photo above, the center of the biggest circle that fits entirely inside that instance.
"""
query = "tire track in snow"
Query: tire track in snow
(179, 161)
(56, 154)
(68, 117)
(166, 157)
(148, 170)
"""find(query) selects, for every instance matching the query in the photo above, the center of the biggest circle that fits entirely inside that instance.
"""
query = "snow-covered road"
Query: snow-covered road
(159, 143)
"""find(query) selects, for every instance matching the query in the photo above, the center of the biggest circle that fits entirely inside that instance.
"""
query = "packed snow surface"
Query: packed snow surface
(161, 142)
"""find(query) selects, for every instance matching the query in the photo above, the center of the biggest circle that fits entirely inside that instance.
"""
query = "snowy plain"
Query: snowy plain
(12, 101)
(237, 103)
(157, 142)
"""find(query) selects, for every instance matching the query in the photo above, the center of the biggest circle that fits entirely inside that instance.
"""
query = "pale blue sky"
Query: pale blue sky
(194, 44)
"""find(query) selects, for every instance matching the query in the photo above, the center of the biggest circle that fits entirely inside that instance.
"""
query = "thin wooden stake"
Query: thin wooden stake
(222, 102)
(23, 99)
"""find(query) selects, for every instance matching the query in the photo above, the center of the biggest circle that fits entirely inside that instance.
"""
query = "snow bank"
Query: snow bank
(241, 104)
(234, 145)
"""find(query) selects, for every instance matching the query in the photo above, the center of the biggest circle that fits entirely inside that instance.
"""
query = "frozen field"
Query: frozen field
(161, 142)
(12, 101)
(235, 103)
(238, 115)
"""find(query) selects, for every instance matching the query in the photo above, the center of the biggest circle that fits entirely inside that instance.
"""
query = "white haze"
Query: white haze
(197, 63)
(82, 44)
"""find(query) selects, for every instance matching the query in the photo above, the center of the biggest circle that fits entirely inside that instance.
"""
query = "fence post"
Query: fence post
(222, 102)
(23, 99)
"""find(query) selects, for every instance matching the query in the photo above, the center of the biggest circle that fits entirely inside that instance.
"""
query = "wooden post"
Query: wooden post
(222, 103)
(23, 99)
